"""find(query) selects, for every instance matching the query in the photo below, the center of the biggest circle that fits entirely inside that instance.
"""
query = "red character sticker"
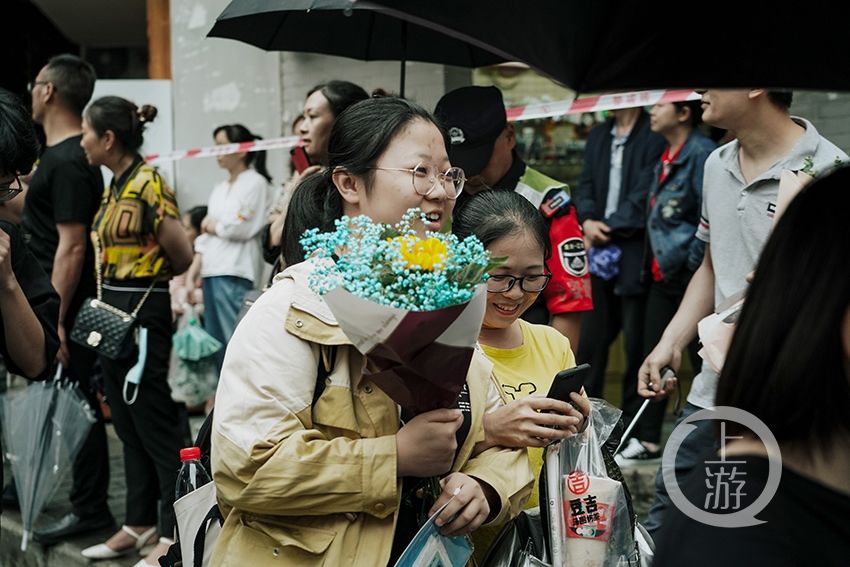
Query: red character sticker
(578, 482)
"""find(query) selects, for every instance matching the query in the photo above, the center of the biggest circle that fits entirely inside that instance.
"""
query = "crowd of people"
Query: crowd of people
(334, 471)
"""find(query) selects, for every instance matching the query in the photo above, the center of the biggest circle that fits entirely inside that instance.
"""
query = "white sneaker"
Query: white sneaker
(634, 453)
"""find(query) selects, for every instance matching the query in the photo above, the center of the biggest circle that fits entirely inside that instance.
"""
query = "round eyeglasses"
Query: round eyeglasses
(7, 192)
(528, 284)
(426, 177)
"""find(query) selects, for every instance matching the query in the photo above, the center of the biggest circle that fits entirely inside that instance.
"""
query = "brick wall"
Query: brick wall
(829, 112)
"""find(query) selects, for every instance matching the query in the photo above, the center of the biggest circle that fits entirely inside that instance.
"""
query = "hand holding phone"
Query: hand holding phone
(568, 381)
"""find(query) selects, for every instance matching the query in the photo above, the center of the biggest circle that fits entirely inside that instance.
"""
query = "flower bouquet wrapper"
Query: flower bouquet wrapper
(418, 358)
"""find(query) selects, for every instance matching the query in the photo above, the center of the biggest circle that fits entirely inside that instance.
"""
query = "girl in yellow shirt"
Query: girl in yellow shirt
(525, 357)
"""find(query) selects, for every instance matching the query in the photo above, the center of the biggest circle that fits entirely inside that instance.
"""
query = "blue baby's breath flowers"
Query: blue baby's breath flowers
(391, 265)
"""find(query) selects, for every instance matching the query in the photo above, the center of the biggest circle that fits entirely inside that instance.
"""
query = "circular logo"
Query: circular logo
(573, 257)
(456, 135)
(740, 518)
(578, 482)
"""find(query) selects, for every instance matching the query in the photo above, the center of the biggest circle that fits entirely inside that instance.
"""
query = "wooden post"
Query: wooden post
(159, 39)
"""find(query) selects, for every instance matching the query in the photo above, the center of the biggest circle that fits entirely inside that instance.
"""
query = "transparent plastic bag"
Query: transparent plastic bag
(595, 526)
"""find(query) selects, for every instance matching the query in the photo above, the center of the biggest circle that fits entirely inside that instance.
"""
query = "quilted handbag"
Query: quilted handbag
(104, 328)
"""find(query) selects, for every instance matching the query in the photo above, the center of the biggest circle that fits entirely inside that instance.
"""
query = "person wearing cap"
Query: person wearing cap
(483, 145)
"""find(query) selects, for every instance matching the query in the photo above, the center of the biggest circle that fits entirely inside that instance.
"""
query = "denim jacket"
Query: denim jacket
(672, 220)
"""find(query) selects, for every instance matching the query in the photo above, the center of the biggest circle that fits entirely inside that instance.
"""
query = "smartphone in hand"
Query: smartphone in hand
(568, 381)
(300, 158)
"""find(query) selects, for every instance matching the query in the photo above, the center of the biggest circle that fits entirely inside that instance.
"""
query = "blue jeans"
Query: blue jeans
(694, 446)
(222, 302)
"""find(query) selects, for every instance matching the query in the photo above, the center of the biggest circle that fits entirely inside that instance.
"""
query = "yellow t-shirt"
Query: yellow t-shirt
(522, 371)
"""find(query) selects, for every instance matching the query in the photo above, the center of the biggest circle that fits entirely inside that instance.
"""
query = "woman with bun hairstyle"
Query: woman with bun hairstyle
(140, 244)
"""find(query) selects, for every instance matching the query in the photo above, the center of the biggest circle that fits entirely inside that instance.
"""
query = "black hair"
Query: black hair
(358, 138)
(238, 133)
(196, 216)
(491, 215)
(126, 120)
(19, 145)
(340, 95)
(74, 80)
(786, 362)
(696, 110)
(781, 99)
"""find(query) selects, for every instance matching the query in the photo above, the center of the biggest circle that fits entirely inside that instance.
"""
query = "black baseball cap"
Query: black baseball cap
(473, 117)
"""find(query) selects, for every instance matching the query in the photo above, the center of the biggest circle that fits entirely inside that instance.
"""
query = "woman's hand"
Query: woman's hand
(426, 445)
(469, 502)
(7, 276)
(532, 421)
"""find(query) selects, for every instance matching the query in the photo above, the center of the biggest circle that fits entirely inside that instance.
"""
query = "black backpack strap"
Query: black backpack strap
(201, 538)
(327, 361)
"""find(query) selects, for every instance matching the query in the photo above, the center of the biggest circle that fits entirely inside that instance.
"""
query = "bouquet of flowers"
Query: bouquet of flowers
(412, 304)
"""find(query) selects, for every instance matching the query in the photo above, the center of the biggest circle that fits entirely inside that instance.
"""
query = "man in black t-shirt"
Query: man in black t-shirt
(61, 202)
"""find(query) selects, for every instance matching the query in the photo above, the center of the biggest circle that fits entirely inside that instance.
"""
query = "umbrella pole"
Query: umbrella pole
(403, 73)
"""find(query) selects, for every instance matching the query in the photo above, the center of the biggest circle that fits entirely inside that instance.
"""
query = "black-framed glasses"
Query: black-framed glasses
(426, 177)
(8, 192)
(503, 283)
(32, 84)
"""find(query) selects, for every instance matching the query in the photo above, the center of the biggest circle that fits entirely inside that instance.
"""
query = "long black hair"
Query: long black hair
(491, 215)
(126, 120)
(340, 95)
(786, 364)
(359, 136)
(238, 133)
(19, 145)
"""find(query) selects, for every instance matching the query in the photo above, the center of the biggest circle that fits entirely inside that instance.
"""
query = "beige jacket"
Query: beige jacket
(302, 487)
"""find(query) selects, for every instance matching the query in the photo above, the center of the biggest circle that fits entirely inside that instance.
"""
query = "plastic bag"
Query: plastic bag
(520, 539)
(192, 382)
(429, 548)
(594, 525)
(191, 341)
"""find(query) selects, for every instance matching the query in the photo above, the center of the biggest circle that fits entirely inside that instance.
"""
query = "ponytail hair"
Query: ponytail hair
(237, 133)
(315, 203)
(126, 120)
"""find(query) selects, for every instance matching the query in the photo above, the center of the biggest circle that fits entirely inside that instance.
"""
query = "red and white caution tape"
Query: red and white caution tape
(516, 113)
(225, 149)
(598, 103)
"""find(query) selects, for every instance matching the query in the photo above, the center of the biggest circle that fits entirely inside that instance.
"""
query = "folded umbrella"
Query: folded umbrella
(44, 428)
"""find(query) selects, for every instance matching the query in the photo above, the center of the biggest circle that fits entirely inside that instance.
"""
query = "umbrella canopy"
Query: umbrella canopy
(610, 45)
(44, 428)
(345, 28)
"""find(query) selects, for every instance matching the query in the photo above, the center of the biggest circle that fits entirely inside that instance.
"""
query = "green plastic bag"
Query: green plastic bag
(192, 343)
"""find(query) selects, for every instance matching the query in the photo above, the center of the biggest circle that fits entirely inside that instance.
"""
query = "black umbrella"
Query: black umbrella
(617, 45)
(346, 28)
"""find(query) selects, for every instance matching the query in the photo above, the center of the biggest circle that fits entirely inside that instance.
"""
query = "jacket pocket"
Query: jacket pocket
(261, 542)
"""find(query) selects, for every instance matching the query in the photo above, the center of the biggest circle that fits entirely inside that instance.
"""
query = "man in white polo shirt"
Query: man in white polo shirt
(740, 188)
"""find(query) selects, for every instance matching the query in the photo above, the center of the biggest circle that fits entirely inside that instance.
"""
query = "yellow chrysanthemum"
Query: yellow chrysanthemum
(423, 254)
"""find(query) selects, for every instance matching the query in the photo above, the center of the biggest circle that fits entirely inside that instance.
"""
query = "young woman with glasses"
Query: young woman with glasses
(525, 356)
(330, 480)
